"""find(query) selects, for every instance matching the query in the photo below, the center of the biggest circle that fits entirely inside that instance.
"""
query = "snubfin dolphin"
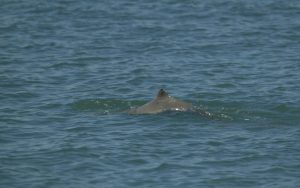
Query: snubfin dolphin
(162, 102)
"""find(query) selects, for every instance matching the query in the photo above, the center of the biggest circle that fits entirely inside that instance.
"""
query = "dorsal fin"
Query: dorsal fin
(161, 93)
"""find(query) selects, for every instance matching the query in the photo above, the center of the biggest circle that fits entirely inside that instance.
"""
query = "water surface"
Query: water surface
(68, 68)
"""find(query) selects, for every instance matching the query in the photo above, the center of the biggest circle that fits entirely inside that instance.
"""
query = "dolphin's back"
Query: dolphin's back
(161, 104)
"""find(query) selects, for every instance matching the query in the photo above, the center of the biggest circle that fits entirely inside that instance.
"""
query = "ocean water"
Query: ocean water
(69, 69)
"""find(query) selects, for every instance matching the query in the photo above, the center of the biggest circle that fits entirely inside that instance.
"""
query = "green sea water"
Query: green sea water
(69, 69)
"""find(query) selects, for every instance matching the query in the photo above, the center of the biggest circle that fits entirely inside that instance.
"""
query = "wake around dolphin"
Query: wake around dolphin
(162, 102)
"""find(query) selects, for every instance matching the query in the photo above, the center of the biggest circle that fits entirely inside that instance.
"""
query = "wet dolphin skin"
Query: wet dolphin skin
(162, 102)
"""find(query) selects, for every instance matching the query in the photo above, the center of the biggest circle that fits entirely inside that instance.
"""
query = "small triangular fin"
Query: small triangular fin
(161, 93)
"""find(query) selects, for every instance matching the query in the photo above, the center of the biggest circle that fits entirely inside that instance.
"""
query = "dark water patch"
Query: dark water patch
(232, 181)
(20, 96)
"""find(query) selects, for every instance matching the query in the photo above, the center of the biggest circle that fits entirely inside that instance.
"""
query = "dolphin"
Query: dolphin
(162, 102)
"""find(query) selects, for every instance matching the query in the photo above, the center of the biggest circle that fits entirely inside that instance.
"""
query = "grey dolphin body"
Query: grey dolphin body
(162, 102)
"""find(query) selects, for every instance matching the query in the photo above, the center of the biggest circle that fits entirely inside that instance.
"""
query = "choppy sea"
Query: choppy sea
(69, 69)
